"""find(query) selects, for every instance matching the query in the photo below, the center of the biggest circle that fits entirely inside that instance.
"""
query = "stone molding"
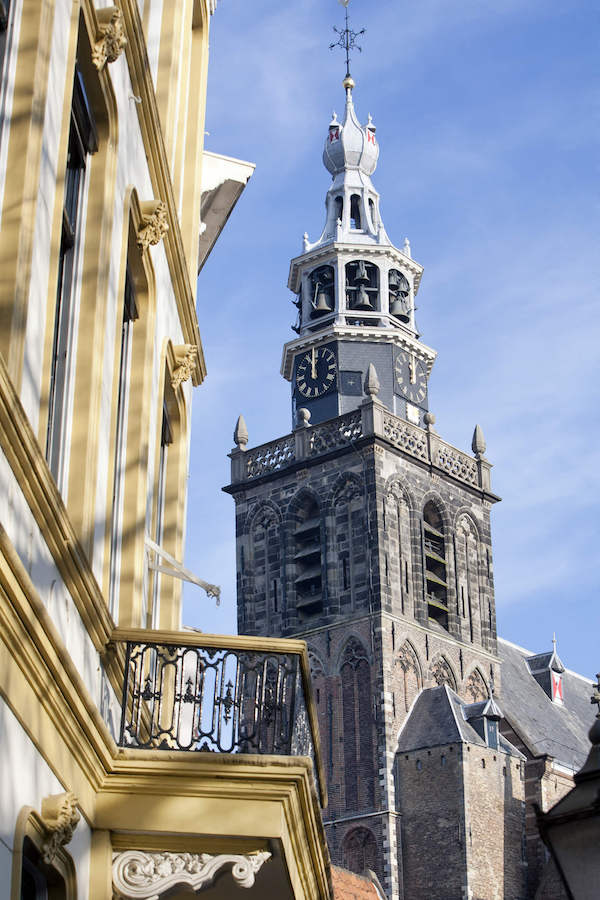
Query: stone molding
(186, 358)
(112, 40)
(60, 817)
(138, 875)
(154, 223)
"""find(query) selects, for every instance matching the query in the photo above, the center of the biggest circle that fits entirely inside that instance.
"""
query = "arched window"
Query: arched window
(348, 507)
(467, 563)
(82, 143)
(398, 537)
(411, 673)
(441, 673)
(322, 287)
(399, 295)
(357, 722)
(308, 558)
(355, 217)
(372, 214)
(266, 556)
(434, 553)
(359, 851)
(42, 867)
(339, 208)
(362, 286)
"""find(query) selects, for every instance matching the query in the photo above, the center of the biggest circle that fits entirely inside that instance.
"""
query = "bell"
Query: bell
(399, 308)
(322, 303)
(363, 301)
(361, 276)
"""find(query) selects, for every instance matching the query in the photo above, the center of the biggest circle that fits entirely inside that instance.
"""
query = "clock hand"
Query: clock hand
(313, 364)
(412, 369)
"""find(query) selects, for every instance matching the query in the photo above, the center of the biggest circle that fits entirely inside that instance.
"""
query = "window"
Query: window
(166, 439)
(130, 313)
(355, 221)
(308, 559)
(82, 142)
(434, 552)
(359, 851)
(357, 717)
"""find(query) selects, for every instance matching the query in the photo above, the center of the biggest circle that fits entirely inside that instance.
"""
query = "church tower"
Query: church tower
(362, 531)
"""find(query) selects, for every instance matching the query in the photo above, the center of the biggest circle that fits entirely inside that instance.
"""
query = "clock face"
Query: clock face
(315, 373)
(411, 376)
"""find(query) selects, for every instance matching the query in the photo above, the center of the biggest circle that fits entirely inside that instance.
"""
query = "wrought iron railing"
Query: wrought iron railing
(217, 694)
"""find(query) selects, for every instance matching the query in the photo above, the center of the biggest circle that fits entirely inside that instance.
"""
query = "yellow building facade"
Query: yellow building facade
(138, 759)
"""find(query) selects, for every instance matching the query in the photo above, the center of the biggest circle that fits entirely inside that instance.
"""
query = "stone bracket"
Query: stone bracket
(111, 36)
(138, 875)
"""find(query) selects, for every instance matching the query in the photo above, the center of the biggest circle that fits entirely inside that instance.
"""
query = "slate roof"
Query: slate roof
(437, 718)
(545, 727)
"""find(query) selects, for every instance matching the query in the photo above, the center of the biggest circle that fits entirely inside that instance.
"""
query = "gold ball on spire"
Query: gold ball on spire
(348, 82)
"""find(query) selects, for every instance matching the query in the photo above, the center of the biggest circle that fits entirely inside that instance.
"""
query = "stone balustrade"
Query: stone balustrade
(372, 420)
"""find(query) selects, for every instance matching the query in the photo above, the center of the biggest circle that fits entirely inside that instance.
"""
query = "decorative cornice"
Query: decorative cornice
(347, 252)
(60, 817)
(111, 39)
(146, 876)
(186, 357)
(154, 224)
(356, 333)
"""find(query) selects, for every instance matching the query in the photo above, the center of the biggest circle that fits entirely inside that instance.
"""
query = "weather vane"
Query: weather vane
(347, 38)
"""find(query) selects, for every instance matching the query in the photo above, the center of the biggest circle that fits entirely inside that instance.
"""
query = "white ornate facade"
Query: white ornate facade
(109, 206)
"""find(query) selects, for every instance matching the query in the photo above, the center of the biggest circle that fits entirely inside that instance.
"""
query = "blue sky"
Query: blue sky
(486, 118)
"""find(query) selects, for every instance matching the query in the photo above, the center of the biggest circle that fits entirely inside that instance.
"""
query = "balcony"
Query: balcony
(222, 694)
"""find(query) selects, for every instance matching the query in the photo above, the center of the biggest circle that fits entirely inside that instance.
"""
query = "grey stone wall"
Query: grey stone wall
(369, 500)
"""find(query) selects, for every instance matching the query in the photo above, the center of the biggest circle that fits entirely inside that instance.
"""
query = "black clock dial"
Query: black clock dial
(411, 376)
(315, 373)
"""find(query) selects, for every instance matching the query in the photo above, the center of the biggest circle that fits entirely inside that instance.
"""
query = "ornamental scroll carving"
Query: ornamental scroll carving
(111, 41)
(147, 876)
(185, 363)
(60, 817)
(154, 224)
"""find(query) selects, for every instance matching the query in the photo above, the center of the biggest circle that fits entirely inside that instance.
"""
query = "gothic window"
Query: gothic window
(82, 142)
(308, 558)
(322, 285)
(398, 539)
(355, 218)
(441, 673)
(436, 577)
(467, 564)
(399, 295)
(411, 673)
(348, 503)
(362, 286)
(359, 851)
(266, 556)
(475, 687)
(357, 719)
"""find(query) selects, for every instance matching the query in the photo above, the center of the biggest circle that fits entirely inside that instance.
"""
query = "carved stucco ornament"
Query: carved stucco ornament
(138, 875)
(154, 224)
(60, 817)
(185, 362)
(111, 41)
